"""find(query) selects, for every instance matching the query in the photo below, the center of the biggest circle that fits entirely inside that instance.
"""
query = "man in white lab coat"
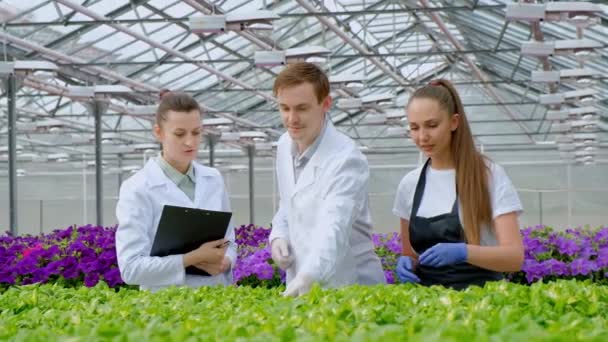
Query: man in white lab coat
(322, 230)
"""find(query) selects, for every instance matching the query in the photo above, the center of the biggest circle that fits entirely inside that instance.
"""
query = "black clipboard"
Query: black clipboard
(181, 230)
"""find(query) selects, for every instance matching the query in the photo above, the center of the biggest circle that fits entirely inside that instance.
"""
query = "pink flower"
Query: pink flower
(27, 251)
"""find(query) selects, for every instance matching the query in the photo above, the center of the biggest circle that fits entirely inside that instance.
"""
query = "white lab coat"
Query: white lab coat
(139, 208)
(325, 216)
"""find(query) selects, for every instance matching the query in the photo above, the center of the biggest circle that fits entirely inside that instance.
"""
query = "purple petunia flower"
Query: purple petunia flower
(26, 265)
(91, 279)
(53, 267)
(112, 277)
(88, 253)
(566, 246)
(601, 237)
(376, 240)
(554, 267)
(40, 275)
(533, 246)
(602, 257)
(582, 266)
(533, 270)
(264, 271)
(7, 276)
(390, 277)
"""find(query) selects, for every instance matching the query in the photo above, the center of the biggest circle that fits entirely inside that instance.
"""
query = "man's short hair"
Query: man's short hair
(302, 72)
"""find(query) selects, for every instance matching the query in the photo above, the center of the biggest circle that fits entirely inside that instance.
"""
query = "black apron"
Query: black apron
(427, 232)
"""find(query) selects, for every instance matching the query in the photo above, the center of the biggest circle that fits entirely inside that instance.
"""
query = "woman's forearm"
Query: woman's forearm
(496, 258)
(406, 246)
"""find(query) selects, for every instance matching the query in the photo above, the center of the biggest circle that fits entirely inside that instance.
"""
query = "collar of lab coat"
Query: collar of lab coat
(310, 151)
(328, 146)
(157, 176)
(171, 172)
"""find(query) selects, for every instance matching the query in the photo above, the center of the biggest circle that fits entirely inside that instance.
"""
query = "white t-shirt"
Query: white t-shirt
(440, 193)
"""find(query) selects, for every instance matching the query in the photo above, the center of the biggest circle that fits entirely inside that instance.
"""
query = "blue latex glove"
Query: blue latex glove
(405, 270)
(443, 254)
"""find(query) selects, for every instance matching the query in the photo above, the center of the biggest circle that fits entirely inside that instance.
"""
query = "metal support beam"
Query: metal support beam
(41, 209)
(87, 28)
(11, 90)
(362, 49)
(195, 4)
(540, 207)
(59, 90)
(251, 155)
(203, 66)
(336, 56)
(569, 193)
(120, 157)
(59, 56)
(410, 10)
(337, 65)
(211, 150)
(97, 108)
(477, 73)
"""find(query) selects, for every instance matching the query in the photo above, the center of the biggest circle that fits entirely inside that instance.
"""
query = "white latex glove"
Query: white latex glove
(300, 285)
(279, 249)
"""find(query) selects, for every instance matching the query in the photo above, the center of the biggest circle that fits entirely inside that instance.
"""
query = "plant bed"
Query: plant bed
(502, 311)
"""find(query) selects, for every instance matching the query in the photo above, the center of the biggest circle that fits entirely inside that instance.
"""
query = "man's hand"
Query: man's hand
(279, 249)
(298, 286)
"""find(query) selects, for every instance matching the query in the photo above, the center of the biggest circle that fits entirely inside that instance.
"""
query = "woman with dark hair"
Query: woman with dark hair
(173, 178)
(459, 211)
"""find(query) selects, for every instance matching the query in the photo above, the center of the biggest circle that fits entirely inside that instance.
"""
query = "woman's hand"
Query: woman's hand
(443, 254)
(215, 268)
(405, 270)
(211, 252)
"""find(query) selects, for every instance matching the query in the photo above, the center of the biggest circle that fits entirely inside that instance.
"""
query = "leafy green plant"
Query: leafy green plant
(502, 311)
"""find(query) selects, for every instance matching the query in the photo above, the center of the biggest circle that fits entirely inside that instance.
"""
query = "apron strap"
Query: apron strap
(419, 190)
(455, 205)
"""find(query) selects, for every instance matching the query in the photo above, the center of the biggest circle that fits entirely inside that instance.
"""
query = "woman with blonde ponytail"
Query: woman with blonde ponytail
(459, 211)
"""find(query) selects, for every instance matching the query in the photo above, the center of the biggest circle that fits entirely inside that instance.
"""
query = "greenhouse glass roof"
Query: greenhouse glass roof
(386, 48)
